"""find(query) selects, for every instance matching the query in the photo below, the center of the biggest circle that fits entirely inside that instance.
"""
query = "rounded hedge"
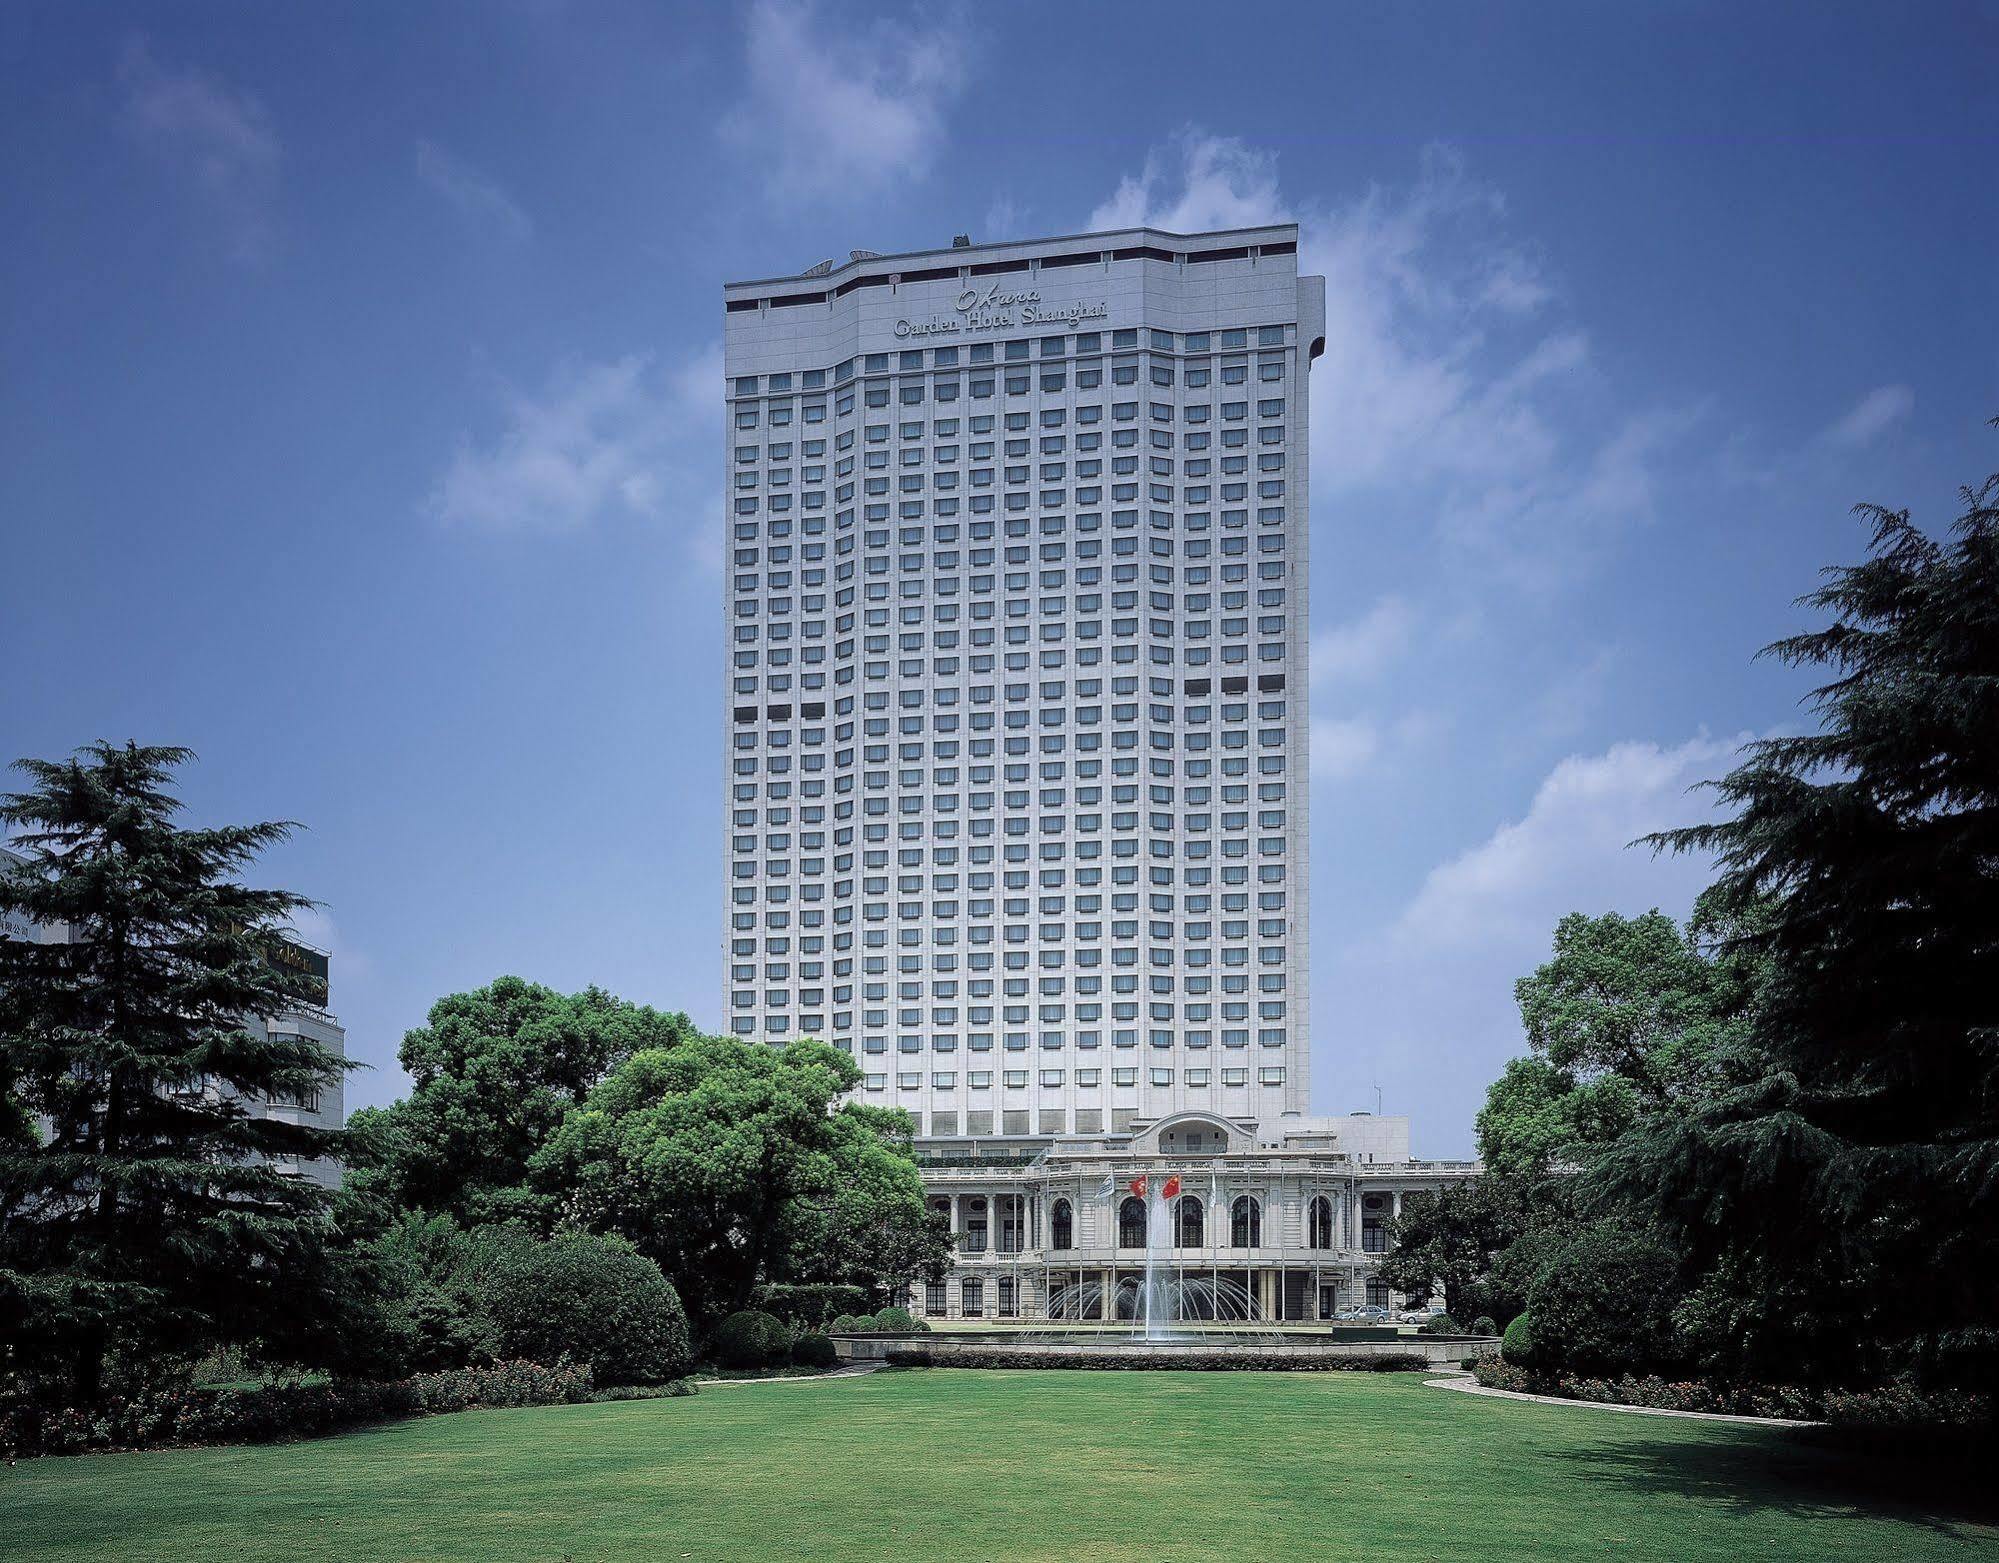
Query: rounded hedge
(749, 1339)
(898, 1321)
(1485, 1324)
(589, 1298)
(813, 1350)
(1517, 1344)
(1604, 1307)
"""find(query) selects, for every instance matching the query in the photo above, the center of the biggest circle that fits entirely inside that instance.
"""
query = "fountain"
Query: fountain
(1175, 1318)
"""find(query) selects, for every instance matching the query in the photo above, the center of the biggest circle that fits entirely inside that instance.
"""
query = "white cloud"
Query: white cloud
(1435, 384)
(1570, 848)
(1223, 183)
(1342, 747)
(1362, 647)
(624, 438)
(834, 105)
(214, 136)
(477, 197)
(1425, 1005)
(1871, 417)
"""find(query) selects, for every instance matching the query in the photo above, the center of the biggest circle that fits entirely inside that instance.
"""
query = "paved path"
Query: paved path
(1467, 1385)
(851, 1370)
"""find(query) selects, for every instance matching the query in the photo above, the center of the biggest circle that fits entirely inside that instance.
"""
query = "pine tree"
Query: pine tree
(146, 1210)
(1865, 858)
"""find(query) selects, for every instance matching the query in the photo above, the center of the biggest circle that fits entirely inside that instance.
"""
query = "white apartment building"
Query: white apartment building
(1017, 726)
(325, 1108)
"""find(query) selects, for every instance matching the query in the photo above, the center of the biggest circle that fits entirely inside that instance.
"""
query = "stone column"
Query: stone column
(954, 1291)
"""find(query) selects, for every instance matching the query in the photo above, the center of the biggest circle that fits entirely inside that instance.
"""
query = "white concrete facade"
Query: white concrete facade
(326, 1109)
(1292, 1216)
(1016, 726)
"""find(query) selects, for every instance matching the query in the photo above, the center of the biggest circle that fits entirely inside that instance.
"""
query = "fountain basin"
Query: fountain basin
(1294, 1349)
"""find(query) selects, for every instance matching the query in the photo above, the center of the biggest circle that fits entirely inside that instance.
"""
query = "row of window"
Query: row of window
(1015, 350)
(980, 1080)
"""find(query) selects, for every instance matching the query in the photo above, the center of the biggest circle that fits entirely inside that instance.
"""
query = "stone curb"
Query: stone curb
(851, 1370)
(1467, 1386)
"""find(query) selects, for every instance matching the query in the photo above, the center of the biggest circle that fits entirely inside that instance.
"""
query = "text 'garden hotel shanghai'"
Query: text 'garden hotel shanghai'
(1017, 726)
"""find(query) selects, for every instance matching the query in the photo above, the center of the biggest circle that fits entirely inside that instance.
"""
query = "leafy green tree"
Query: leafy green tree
(732, 1163)
(1632, 1017)
(494, 1072)
(861, 1217)
(1868, 850)
(148, 1211)
(1453, 1237)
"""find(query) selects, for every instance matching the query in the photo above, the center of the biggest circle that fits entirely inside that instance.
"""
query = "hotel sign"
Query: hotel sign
(307, 967)
(998, 308)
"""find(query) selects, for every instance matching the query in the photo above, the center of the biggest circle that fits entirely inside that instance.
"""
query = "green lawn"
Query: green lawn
(954, 1464)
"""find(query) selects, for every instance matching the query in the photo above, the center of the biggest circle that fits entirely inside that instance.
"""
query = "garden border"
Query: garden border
(1467, 1385)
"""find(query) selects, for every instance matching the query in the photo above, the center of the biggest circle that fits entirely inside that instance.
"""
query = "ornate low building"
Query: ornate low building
(1279, 1221)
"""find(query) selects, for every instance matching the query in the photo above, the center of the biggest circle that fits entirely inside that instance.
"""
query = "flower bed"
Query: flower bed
(286, 1409)
(1890, 1406)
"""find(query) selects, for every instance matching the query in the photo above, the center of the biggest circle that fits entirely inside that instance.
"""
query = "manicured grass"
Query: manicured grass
(947, 1464)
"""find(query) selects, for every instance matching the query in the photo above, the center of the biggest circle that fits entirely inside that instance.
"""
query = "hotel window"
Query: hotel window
(933, 1299)
(972, 1298)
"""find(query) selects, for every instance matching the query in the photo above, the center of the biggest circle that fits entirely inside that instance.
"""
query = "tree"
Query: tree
(731, 1163)
(149, 1210)
(494, 1072)
(1631, 1018)
(1452, 1237)
(1867, 852)
(861, 1217)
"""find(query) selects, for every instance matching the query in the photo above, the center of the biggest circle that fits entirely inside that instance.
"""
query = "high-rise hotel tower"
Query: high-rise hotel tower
(1016, 719)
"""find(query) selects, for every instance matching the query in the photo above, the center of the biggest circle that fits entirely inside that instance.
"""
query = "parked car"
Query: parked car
(1371, 1315)
(1421, 1315)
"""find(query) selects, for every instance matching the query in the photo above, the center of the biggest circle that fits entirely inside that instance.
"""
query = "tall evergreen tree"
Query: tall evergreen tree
(146, 1209)
(1864, 858)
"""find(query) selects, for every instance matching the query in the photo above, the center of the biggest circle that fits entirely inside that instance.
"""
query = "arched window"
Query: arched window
(1322, 1222)
(1245, 1223)
(1061, 1226)
(1131, 1224)
(1188, 1226)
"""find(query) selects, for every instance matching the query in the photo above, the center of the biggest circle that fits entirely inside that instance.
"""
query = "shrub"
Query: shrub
(1485, 1324)
(898, 1321)
(813, 1350)
(282, 1409)
(1517, 1345)
(1604, 1305)
(811, 1304)
(671, 1388)
(749, 1339)
(594, 1299)
(848, 1324)
(1896, 1407)
(1440, 1324)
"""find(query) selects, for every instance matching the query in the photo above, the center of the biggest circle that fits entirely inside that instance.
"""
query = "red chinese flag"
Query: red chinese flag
(1138, 1187)
(1170, 1189)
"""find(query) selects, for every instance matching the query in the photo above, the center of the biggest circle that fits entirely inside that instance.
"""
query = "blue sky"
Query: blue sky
(359, 424)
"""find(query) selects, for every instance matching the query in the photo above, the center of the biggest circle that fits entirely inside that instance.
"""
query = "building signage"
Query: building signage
(1000, 307)
(307, 966)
